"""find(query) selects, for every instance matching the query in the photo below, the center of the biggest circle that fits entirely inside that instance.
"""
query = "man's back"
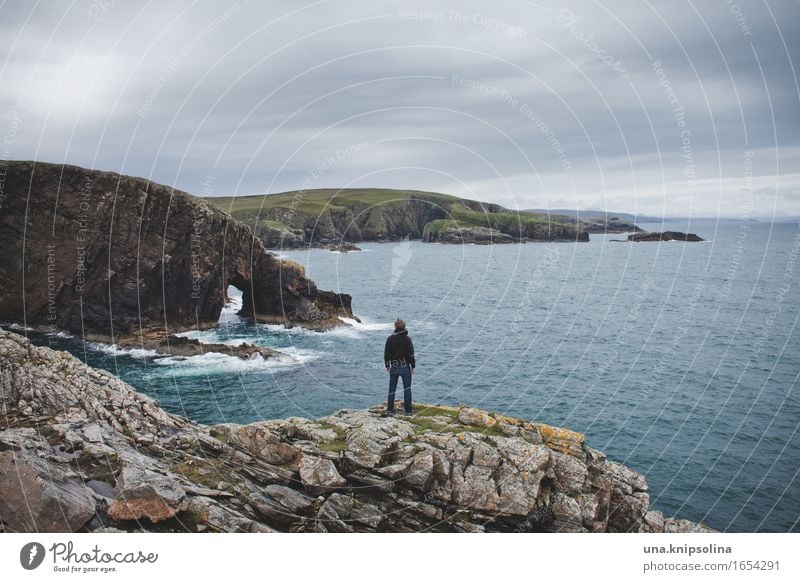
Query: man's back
(399, 350)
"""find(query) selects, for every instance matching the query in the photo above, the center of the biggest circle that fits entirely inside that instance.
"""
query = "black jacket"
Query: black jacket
(399, 350)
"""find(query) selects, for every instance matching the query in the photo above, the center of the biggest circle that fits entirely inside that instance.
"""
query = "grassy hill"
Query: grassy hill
(322, 216)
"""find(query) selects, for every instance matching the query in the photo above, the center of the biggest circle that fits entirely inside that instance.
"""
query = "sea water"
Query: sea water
(680, 360)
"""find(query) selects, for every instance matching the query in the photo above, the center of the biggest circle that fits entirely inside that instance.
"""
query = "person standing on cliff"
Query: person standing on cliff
(398, 357)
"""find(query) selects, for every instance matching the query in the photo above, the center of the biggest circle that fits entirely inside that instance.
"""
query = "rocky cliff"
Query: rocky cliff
(597, 221)
(101, 253)
(80, 450)
(667, 235)
(499, 232)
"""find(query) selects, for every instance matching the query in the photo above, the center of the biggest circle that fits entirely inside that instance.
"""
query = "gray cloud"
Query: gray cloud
(525, 104)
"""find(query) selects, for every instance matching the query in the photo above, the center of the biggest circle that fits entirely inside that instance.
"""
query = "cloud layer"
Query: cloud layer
(676, 108)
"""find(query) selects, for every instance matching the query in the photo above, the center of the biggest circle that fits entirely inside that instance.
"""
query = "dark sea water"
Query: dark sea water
(679, 360)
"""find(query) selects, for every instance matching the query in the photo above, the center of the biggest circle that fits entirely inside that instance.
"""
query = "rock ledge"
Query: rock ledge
(89, 453)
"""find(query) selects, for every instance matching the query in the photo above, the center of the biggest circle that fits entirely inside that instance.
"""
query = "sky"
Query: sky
(663, 108)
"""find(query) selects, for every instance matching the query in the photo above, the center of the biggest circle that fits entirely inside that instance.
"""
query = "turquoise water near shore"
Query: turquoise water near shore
(679, 360)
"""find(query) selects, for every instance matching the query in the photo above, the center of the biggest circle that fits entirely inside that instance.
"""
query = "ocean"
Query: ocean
(680, 360)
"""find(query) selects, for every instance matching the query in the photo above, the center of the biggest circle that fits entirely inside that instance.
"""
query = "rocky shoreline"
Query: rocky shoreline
(82, 451)
(667, 235)
(94, 252)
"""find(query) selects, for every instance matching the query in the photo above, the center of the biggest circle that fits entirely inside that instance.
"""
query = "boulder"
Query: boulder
(40, 496)
(319, 475)
(141, 493)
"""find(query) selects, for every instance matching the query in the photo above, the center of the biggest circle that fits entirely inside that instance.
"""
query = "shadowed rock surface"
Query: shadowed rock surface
(479, 235)
(597, 221)
(460, 233)
(98, 456)
(607, 224)
(666, 235)
(97, 252)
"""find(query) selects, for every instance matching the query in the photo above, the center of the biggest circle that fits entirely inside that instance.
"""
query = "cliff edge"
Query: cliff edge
(80, 450)
(100, 253)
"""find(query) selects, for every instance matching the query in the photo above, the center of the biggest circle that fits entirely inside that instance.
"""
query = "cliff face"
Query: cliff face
(668, 235)
(80, 450)
(503, 232)
(384, 222)
(320, 217)
(98, 252)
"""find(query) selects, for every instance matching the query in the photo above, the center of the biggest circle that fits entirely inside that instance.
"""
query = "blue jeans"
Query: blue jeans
(405, 373)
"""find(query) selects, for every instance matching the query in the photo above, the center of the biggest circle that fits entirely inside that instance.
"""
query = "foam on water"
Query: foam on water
(215, 363)
(17, 327)
(115, 350)
(655, 376)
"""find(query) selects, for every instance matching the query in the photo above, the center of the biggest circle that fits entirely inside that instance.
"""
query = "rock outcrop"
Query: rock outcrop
(459, 233)
(98, 252)
(95, 455)
(607, 224)
(343, 247)
(663, 236)
(479, 235)
(596, 221)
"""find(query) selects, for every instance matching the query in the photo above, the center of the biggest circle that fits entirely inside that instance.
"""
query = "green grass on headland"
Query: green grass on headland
(317, 201)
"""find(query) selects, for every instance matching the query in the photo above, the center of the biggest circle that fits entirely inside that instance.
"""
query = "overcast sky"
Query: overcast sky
(673, 108)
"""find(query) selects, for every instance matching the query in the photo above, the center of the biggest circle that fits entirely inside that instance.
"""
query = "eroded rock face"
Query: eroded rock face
(38, 496)
(479, 235)
(506, 233)
(97, 252)
(141, 493)
(667, 235)
(122, 463)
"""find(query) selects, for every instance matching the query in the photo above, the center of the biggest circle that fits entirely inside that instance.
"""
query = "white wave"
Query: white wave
(296, 330)
(366, 325)
(115, 350)
(216, 363)
(18, 327)
(355, 329)
(204, 336)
